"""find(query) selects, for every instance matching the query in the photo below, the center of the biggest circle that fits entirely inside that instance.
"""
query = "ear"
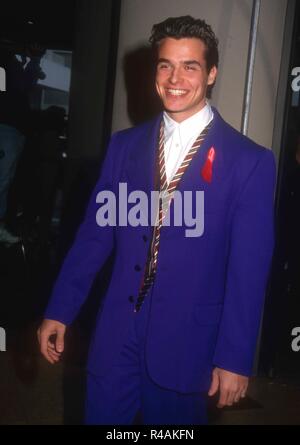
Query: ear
(212, 75)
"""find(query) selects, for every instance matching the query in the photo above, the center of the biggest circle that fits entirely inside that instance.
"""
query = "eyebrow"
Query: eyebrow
(185, 62)
(163, 61)
(192, 62)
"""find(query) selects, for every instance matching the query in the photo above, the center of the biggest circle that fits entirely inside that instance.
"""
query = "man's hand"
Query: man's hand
(35, 50)
(231, 386)
(51, 350)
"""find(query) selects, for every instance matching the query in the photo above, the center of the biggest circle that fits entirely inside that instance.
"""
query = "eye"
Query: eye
(163, 66)
(189, 67)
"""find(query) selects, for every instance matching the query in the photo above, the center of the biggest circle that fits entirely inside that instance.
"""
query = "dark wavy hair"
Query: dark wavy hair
(187, 26)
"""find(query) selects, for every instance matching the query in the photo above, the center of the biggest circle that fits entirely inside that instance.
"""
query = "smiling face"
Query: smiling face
(181, 76)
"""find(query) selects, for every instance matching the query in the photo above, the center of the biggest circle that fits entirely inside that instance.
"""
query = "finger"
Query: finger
(52, 350)
(48, 357)
(53, 357)
(51, 347)
(237, 396)
(44, 344)
(52, 344)
(53, 354)
(44, 338)
(59, 345)
(244, 392)
(230, 398)
(223, 398)
(214, 384)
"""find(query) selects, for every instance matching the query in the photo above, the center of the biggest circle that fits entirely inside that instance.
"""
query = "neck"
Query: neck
(182, 116)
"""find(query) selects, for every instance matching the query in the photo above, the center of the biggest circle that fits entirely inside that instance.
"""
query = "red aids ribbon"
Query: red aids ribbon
(206, 171)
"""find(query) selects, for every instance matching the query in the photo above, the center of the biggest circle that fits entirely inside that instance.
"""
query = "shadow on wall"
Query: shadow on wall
(139, 75)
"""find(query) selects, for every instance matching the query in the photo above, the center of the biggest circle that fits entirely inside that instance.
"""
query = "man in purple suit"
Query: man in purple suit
(182, 312)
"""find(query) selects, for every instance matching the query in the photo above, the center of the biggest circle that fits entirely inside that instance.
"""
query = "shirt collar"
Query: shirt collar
(192, 125)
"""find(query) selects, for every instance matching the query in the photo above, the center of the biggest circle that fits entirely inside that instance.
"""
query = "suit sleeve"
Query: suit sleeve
(251, 249)
(91, 248)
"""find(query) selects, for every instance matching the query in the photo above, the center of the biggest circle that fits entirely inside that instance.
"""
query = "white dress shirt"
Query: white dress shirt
(179, 137)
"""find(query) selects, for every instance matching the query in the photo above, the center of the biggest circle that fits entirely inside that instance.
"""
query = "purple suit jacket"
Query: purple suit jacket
(208, 293)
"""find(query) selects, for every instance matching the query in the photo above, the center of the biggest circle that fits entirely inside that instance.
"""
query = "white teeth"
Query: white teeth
(176, 92)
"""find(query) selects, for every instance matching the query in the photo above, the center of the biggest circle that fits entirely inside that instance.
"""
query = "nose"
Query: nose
(174, 75)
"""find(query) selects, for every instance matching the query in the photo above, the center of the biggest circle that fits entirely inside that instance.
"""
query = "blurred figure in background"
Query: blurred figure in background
(21, 77)
(52, 152)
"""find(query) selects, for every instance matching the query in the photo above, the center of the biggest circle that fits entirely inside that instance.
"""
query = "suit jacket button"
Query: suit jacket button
(145, 238)
(131, 299)
(137, 268)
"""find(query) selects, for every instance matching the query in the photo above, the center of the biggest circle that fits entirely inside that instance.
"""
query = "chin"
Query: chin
(174, 109)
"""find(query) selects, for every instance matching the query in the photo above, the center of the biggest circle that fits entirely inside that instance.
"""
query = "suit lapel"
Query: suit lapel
(192, 177)
(140, 170)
